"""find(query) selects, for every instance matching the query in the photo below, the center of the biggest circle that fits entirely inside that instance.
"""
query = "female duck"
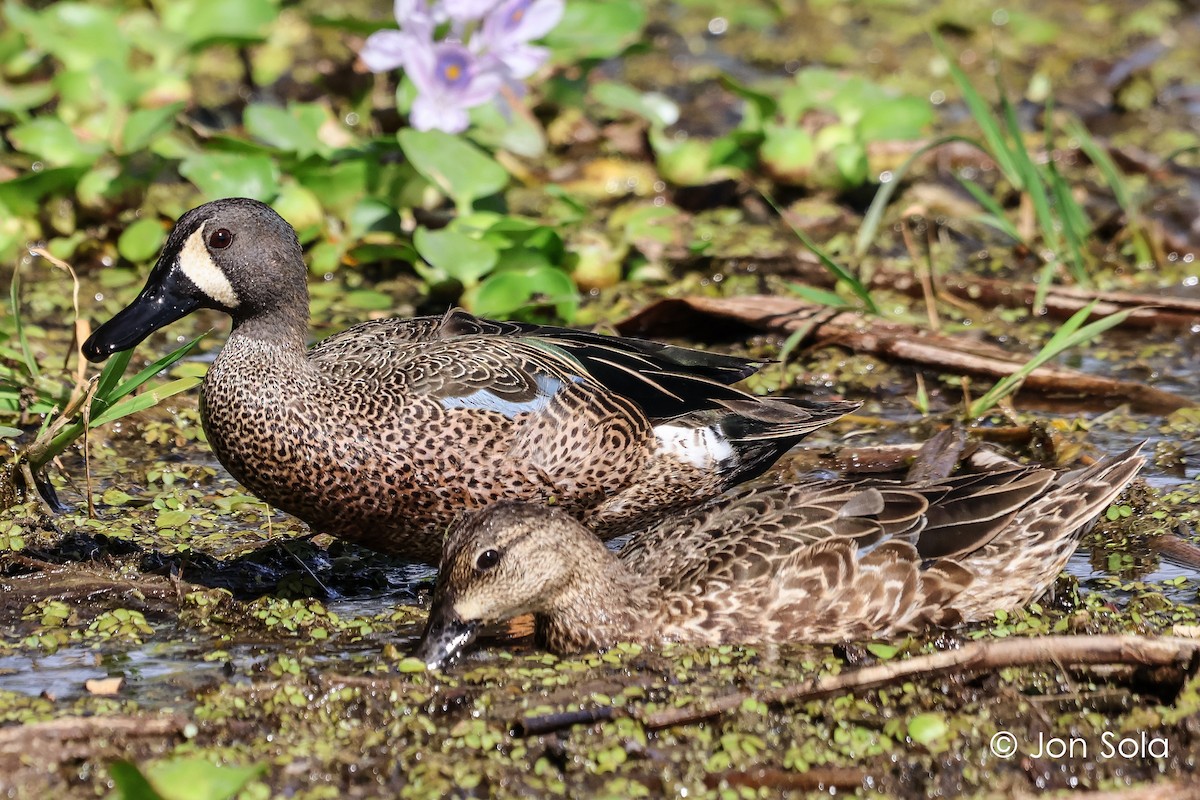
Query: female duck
(819, 561)
(382, 433)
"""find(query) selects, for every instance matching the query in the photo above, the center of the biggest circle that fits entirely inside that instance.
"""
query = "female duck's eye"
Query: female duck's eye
(487, 559)
(220, 239)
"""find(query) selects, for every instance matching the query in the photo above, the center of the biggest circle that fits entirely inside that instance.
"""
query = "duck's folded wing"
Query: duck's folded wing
(508, 365)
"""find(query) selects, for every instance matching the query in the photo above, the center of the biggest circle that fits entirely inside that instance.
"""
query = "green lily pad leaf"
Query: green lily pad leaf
(655, 108)
(515, 132)
(456, 254)
(302, 210)
(141, 240)
(52, 140)
(458, 168)
(232, 175)
(369, 300)
(596, 29)
(77, 34)
(928, 728)
(231, 21)
(339, 186)
(879, 649)
(505, 293)
(145, 125)
(182, 779)
(20, 196)
(894, 119)
(25, 96)
(788, 153)
(293, 129)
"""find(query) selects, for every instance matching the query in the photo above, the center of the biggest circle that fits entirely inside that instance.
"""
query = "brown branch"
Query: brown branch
(972, 657)
(891, 341)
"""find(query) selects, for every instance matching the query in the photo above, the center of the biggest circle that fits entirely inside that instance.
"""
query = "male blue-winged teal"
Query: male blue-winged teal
(810, 562)
(382, 433)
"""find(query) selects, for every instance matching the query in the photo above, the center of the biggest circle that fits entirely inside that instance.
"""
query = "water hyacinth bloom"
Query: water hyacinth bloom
(388, 50)
(449, 81)
(453, 75)
(466, 10)
(507, 31)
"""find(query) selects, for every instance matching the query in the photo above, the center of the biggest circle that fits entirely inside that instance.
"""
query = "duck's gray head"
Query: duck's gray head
(235, 255)
(506, 560)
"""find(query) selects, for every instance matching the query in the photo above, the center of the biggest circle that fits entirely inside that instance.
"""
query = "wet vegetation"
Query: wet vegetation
(898, 202)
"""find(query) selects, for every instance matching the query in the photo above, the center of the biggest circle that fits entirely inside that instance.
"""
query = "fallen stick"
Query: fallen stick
(891, 341)
(973, 657)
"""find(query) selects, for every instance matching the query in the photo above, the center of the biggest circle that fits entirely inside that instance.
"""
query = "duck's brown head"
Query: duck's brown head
(506, 560)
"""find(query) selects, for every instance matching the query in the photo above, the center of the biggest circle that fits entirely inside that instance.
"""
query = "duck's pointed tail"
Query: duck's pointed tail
(1023, 561)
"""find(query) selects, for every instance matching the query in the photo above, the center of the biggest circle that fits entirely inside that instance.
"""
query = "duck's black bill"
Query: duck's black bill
(446, 635)
(162, 301)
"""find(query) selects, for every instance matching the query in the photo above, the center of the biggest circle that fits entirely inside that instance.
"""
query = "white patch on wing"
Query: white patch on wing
(198, 266)
(703, 448)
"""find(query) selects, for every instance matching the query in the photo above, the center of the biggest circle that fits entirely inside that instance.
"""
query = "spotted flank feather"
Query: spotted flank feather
(813, 561)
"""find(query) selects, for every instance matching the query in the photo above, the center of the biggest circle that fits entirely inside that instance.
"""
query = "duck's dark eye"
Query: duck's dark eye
(487, 559)
(220, 238)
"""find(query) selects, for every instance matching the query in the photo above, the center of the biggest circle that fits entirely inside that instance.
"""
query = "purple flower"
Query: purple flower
(507, 31)
(449, 80)
(388, 50)
(465, 10)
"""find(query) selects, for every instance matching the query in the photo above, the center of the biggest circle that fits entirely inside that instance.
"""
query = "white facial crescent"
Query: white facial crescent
(198, 266)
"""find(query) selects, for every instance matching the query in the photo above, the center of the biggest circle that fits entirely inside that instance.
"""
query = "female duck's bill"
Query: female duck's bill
(819, 561)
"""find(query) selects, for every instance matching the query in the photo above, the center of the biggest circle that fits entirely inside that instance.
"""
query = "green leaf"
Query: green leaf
(108, 396)
(460, 169)
(52, 140)
(194, 778)
(596, 29)
(22, 97)
(928, 728)
(1070, 334)
(456, 254)
(130, 783)
(882, 651)
(505, 293)
(655, 108)
(147, 399)
(894, 119)
(229, 21)
(232, 175)
(145, 125)
(9, 433)
(293, 130)
(141, 240)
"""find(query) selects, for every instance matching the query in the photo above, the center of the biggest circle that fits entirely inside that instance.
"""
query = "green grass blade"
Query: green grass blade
(150, 371)
(147, 399)
(1103, 162)
(1070, 334)
(996, 216)
(874, 216)
(981, 112)
(1074, 226)
(842, 274)
(112, 372)
(14, 299)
